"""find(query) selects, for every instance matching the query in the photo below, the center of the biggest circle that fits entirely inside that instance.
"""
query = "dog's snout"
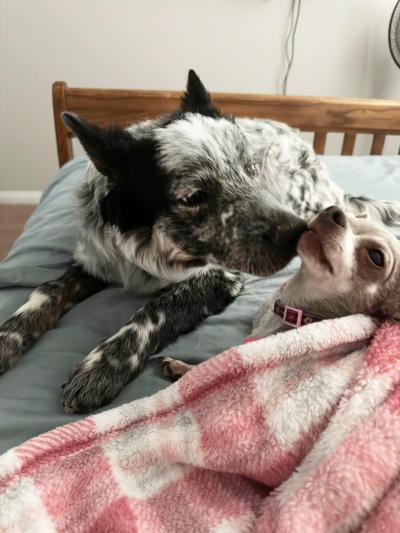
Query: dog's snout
(335, 215)
(291, 235)
(286, 234)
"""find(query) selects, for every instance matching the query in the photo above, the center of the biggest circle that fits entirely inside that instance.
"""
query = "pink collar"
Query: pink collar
(294, 316)
(291, 316)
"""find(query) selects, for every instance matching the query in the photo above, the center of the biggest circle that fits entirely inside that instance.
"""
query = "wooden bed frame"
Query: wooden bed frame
(318, 115)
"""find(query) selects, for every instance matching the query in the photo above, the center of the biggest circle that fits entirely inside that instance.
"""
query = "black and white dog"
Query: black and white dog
(167, 206)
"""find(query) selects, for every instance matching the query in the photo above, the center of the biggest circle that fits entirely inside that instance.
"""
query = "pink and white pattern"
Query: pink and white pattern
(298, 432)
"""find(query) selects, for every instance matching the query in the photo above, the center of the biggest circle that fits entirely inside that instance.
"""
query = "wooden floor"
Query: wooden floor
(12, 220)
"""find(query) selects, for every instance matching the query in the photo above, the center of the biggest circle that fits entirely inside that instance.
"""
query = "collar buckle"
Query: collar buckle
(292, 316)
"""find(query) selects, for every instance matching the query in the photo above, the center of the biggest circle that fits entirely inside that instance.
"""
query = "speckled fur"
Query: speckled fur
(169, 205)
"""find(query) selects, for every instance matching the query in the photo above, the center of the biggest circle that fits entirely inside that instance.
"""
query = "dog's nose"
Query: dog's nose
(286, 234)
(291, 235)
(335, 215)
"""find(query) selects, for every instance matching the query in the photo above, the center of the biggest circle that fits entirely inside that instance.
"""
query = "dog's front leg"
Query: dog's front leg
(116, 361)
(41, 312)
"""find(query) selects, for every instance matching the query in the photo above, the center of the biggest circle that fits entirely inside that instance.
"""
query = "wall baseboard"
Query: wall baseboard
(20, 197)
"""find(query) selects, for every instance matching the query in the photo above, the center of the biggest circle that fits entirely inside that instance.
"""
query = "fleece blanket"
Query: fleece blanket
(297, 432)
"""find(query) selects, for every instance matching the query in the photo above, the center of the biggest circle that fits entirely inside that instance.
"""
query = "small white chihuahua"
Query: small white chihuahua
(349, 265)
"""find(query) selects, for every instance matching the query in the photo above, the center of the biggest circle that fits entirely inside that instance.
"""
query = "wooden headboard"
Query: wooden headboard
(319, 115)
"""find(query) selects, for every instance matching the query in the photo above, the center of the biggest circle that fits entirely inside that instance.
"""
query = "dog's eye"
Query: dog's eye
(376, 257)
(194, 199)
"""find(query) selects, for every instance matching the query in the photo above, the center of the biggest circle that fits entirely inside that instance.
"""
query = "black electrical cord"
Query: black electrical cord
(291, 38)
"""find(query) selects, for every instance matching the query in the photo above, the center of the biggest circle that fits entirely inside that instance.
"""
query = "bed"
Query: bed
(29, 393)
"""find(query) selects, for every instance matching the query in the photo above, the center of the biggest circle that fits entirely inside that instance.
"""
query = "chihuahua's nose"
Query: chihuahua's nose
(334, 214)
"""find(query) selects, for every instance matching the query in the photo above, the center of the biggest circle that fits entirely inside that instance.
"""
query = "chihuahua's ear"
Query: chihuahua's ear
(196, 99)
(108, 148)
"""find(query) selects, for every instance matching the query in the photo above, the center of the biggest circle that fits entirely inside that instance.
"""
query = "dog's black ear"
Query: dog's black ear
(196, 99)
(108, 148)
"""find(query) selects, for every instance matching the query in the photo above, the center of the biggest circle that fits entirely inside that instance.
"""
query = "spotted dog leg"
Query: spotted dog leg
(41, 312)
(116, 361)
(173, 368)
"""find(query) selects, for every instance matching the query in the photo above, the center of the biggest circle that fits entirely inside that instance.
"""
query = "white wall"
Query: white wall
(235, 45)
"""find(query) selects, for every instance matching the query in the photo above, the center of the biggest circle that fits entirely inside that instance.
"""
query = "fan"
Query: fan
(394, 34)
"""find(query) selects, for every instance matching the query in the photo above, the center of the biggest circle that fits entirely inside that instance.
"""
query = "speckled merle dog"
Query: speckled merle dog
(167, 206)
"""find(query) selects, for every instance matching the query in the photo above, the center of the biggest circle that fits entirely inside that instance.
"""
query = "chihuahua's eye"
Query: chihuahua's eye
(376, 257)
(194, 199)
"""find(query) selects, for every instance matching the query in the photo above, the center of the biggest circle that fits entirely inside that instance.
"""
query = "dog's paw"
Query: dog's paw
(173, 368)
(99, 378)
(92, 386)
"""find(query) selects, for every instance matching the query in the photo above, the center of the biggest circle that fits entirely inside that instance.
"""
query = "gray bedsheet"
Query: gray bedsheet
(29, 393)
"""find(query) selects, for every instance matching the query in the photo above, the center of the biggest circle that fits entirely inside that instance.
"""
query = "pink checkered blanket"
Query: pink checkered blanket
(294, 433)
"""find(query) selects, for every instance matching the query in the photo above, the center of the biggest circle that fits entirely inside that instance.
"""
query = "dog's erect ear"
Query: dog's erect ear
(137, 194)
(196, 99)
(108, 148)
